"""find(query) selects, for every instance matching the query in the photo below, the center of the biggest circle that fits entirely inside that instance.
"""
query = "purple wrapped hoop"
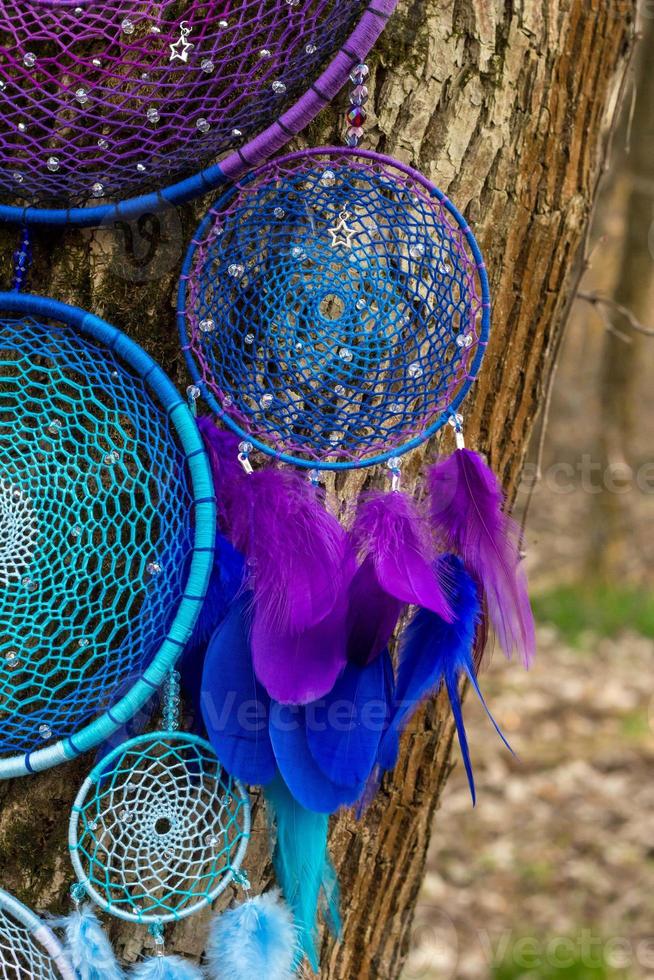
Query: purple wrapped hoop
(334, 308)
(103, 100)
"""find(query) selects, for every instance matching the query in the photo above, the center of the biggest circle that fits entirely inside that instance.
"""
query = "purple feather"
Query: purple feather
(296, 668)
(391, 531)
(467, 511)
(372, 615)
(299, 552)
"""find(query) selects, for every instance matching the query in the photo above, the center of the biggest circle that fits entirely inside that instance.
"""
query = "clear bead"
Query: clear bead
(417, 250)
(394, 463)
(54, 428)
(81, 96)
(345, 354)
(76, 531)
(45, 731)
(245, 447)
(235, 270)
(193, 393)
(265, 53)
(456, 421)
(359, 74)
(203, 125)
(207, 65)
(248, 339)
(328, 178)
(279, 212)
(152, 115)
(310, 48)
(154, 568)
(97, 190)
(28, 583)
(11, 659)
(127, 26)
(266, 401)
(278, 87)
(415, 370)
(52, 164)
(29, 59)
(464, 341)
(207, 325)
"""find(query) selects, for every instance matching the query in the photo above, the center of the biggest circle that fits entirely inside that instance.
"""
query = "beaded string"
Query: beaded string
(22, 260)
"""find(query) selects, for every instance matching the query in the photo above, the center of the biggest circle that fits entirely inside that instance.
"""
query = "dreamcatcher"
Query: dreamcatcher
(102, 101)
(29, 949)
(107, 517)
(158, 831)
(334, 312)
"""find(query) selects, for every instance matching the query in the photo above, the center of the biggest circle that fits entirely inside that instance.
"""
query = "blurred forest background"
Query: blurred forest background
(552, 876)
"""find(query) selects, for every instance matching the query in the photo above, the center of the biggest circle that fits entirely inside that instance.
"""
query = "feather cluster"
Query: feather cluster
(166, 968)
(254, 941)
(88, 948)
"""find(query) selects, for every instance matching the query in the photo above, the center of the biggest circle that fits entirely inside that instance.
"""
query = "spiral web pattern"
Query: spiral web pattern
(159, 829)
(28, 949)
(333, 306)
(95, 493)
(101, 98)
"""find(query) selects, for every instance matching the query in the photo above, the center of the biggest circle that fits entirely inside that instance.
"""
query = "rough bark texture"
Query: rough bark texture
(506, 105)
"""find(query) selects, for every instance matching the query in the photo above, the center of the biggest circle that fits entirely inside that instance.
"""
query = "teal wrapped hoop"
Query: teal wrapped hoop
(29, 950)
(108, 517)
(159, 829)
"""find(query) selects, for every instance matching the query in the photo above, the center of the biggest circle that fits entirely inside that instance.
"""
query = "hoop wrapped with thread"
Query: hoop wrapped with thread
(158, 829)
(29, 950)
(334, 308)
(101, 103)
(108, 507)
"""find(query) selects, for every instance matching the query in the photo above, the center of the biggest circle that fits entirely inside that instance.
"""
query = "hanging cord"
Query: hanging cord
(22, 260)
(171, 702)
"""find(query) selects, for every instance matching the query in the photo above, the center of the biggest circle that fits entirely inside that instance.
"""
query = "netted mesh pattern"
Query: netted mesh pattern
(28, 949)
(101, 98)
(333, 307)
(159, 829)
(95, 530)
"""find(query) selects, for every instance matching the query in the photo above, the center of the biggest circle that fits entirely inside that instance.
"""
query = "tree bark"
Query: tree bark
(507, 106)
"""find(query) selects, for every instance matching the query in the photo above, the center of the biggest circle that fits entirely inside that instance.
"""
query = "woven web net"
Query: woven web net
(161, 829)
(101, 98)
(22, 953)
(94, 528)
(333, 307)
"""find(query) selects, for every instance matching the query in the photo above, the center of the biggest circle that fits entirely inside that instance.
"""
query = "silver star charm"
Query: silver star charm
(341, 233)
(181, 49)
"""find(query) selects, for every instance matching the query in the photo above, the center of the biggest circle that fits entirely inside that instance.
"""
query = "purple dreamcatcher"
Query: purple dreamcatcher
(105, 102)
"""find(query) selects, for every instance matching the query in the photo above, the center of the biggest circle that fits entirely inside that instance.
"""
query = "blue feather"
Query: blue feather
(88, 948)
(224, 584)
(345, 727)
(306, 781)
(433, 652)
(253, 941)
(302, 865)
(235, 706)
(166, 968)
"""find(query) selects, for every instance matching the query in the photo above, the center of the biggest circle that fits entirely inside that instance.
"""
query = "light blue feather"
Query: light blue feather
(88, 948)
(302, 865)
(166, 968)
(254, 941)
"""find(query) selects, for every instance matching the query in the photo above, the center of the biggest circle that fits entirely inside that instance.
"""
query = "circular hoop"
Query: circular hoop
(334, 308)
(258, 148)
(158, 829)
(113, 519)
(29, 950)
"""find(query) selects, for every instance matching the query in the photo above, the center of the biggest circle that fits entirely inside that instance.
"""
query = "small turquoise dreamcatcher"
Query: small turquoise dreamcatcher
(157, 832)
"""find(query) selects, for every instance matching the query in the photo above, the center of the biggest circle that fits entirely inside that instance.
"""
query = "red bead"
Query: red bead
(357, 115)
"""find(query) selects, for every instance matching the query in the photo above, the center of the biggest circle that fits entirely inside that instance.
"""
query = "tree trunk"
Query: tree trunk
(505, 105)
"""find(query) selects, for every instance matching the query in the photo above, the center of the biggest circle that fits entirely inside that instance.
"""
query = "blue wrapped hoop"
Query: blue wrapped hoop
(334, 308)
(108, 513)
